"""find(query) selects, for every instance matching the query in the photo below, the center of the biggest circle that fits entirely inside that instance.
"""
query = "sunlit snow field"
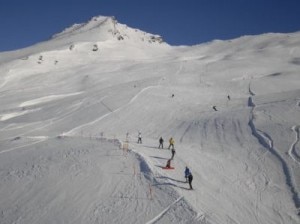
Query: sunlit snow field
(71, 109)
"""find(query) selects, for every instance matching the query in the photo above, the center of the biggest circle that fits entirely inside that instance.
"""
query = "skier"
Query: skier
(228, 97)
(161, 143)
(215, 108)
(190, 178)
(171, 141)
(140, 138)
(173, 153)
(186, 173)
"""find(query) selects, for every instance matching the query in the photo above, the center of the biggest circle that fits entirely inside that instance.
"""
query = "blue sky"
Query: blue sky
(179, 22)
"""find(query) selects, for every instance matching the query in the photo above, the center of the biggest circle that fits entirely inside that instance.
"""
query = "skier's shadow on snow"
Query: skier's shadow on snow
(151, 147)
(172, 184)
(157, 157)
(131, 198)
(161, 166)
(168, 178)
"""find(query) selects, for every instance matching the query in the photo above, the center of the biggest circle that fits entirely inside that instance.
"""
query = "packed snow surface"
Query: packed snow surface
(72, 107)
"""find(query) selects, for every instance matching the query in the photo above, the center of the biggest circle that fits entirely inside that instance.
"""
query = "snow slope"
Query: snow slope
(70, 104)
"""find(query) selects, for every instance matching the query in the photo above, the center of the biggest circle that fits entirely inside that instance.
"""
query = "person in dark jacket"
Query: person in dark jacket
(186, 173)
(140, 138)
(190, 179)
(161, 143)
(173, 153)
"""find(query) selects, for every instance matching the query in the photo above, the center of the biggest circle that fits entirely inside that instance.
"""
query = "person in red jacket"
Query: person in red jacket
(168, 163)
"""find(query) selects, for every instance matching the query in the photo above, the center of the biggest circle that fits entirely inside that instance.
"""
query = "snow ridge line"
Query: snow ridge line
(159, 216)
(292, 150)
(266, 141)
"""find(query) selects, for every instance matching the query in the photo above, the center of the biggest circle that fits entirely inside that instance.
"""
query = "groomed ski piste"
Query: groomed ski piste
(72, 108)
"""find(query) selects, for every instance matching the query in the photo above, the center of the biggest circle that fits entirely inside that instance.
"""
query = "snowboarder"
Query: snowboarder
(171, 142)
(173, 153)
(161, 143)
(215, 108)
(168, 163)
(186, 173)
(140, 138)
(190, 178)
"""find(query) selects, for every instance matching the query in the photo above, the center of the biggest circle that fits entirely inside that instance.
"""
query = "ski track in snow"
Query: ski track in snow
(159, 216)
(48, 123)
(73, 131)
(54, 120)
(292, 150)
(47, 99)
(266, 141)
(5, 81)
(4, 117)
(22, 146)
(138, 94)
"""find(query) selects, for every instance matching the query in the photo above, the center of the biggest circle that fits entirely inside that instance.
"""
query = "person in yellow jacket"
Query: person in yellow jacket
(171, 142)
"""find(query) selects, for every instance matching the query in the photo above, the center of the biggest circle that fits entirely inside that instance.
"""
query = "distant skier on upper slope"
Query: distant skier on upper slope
(139, 138)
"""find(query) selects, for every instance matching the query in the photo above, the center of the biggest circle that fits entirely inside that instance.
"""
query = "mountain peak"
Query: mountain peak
(102, 28)
(93, 23)
(98, 31)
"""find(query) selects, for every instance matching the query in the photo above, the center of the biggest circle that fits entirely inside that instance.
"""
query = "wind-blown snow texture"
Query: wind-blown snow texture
(69, 104)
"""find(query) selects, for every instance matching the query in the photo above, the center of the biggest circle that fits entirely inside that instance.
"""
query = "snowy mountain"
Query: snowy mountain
(99, 30)
(72, 107)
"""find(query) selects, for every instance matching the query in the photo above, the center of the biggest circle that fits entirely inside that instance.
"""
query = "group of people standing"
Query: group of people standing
(171, 145)
(187, 173)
